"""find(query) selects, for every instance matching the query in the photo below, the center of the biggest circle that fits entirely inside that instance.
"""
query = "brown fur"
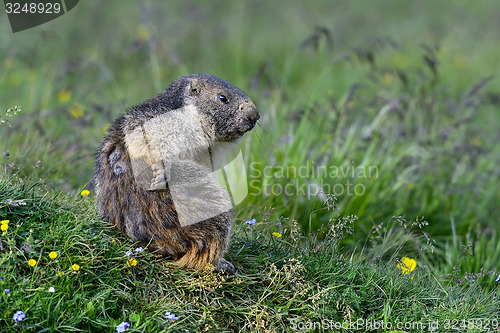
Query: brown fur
(149, 216)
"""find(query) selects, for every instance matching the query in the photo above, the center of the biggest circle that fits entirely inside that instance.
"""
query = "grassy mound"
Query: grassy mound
(284, 282)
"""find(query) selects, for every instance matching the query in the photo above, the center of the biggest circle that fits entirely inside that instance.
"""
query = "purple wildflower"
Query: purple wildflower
(170, 316)
(122, 327)
(19, 316)
(251, 222)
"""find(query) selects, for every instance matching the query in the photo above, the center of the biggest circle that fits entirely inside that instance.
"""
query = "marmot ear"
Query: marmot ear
(195, 86)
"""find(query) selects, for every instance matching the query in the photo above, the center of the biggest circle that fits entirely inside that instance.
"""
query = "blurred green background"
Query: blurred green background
(410, 88)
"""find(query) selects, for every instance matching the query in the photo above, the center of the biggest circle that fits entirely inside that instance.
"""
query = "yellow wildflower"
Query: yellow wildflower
(4, 222)
(407, 265)
(4, 227)
(85, 193)
(131, 262)
(75, 267)
(76, 110)
(53, 255)
(32, 262)
(64, 96)
(276, 234)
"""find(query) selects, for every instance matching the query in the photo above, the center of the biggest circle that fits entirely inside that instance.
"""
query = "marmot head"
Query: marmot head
(227, 112)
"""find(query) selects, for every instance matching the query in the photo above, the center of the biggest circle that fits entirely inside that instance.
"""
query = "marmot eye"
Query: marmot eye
(223, 98)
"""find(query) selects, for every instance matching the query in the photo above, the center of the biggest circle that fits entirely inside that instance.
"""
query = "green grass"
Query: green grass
(279, 285)
(405, 95)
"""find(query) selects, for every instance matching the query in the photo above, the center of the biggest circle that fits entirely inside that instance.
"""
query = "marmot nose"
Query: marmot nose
(251, 113)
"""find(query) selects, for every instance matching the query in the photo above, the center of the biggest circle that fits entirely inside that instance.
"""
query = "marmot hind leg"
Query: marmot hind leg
(200, 260)
(209, 242)
(196, 253)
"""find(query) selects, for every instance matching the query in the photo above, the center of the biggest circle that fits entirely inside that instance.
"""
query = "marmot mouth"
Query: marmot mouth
(234, 136)
(247, 126)
(238, 132)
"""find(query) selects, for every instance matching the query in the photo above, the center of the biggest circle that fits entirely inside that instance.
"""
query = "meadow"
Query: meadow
(378, 140)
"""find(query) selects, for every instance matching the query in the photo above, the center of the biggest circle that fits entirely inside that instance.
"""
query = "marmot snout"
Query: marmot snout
(153, 171)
